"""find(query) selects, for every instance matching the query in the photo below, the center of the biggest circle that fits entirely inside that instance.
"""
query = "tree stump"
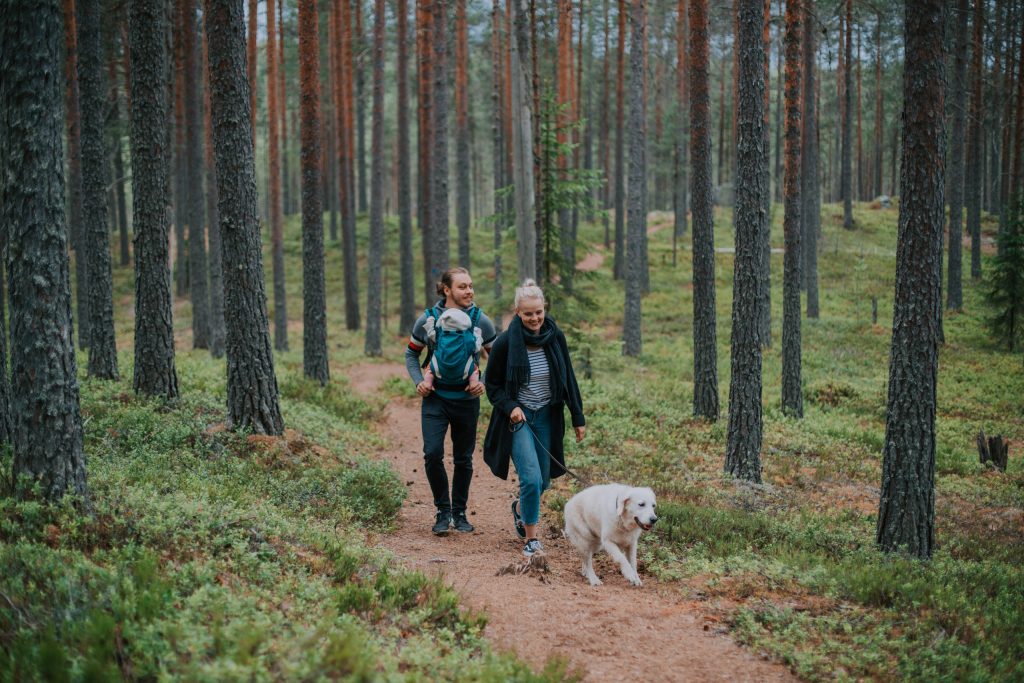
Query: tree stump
(994, 450)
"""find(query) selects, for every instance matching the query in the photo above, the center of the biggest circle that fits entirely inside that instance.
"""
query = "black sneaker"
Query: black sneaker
(518, 520)
(442, 522)
(532, 548)
(460, 523)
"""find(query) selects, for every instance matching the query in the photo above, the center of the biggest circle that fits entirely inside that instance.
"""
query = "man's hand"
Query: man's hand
(475, 389)
(424, 389)
(517, 416)
(580, 433)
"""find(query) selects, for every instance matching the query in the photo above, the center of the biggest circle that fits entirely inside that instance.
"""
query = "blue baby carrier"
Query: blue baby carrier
(452, 356)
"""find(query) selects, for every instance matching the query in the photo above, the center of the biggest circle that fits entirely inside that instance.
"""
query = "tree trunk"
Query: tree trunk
(180, 159)
(972, 182)
(462, 162)
(47, 440)
(792, 394)
(424, 74)
(954, 295)
(196, 230)
(374, 287)
(810, 184)
(522, 142)
(274, 182)
(407, 313)
(682, 128)
(216, 255)
(861, 182)
(74, 173)
(360, 103)
(846, 172)
(497, 135)
(764, 328)
(563, 120)
(879, 99)
(620, 114)
(6, 424)
(282, 108)
(251, 58)
(314, 302)
(95, 174)
(439, 145)
(743, 458)
(705, 345)
(252, 385)
(906, 512)
(631, 320)
(116, 131)
(605, 134)
(346, 166)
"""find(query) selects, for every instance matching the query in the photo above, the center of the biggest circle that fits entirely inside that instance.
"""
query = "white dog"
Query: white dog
(609, 516)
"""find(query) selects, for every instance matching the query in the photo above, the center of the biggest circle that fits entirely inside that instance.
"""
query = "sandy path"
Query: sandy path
(610, 633)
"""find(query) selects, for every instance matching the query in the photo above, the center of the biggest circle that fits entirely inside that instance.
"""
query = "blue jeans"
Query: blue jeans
(533, 464)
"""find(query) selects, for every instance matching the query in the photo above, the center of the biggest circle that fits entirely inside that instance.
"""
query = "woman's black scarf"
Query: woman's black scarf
(517, 371)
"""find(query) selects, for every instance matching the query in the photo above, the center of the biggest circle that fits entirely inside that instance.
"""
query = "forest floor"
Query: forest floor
(607, 633)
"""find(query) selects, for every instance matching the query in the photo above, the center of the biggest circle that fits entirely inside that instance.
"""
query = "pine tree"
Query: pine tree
(680, 202)
(407, 313)
(274, 182)
(252, 385)
(972, 181)
(74, 172)
(155, 374)
(439, 143)
(620, 183)
(637, 216)
(792, 393)
(522, 138)
(810, 182)
(374, 287)
(846, 172)
(705, 344)
(47, 423)
(1006, 283)
(216, 255)
(95, 178)
(954, 295)
(462, 161)
(743, 451)
(906, 512)
(196, 229)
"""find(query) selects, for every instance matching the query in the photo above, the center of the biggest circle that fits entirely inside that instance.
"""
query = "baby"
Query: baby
(452, 320)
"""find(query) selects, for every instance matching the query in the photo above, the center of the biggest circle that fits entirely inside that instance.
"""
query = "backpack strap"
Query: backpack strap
(430, 312)
(474, 315)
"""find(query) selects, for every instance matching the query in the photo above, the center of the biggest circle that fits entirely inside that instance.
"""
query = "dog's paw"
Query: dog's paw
(594, 581)
(635, 580)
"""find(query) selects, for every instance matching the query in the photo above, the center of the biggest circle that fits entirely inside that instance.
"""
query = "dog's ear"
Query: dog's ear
(620, 505)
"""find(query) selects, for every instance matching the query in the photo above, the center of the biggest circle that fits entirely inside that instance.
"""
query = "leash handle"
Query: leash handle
(515, 427)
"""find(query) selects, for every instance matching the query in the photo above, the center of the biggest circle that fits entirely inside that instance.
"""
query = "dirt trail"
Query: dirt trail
(609, 633)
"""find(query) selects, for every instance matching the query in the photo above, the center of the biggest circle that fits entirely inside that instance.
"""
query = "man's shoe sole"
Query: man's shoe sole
(440, 533)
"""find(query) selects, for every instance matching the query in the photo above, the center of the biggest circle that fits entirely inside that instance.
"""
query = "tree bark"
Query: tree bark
(954, 289)
(425, 70)
(74, 176)
(6, 424)
(95, 175)
(906, 512)
(346, 165)
(374, 287)
(972, 182)
(115, 130)
(682, 127)
(846, 172)
(252, 385)
(810, 184)
(462, 167)
(314, 302)
(251, 58)
(637, 218)
(792, 394)
(407, 313)
(360, 103)
(620, 114)
(216, 255)
(274, 182)
(439, 144)
(498, 140)
(879, 99)
(743, 450)
(705, 344)
(47, 439)
(522, 141)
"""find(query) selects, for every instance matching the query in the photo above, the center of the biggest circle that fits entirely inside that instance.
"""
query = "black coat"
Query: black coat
(498, 442)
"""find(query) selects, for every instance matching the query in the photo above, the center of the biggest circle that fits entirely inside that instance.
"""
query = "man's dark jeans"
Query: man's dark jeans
(436, 416)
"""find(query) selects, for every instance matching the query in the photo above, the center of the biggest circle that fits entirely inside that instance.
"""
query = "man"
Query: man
(448, 404)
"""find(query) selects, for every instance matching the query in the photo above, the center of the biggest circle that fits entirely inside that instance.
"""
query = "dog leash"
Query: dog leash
(515, 427)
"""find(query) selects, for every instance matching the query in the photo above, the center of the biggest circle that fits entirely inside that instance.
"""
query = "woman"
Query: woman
(529, 381)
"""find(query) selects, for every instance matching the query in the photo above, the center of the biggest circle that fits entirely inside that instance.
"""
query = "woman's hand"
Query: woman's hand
(517, 416)
(424, 389)
(580, 433)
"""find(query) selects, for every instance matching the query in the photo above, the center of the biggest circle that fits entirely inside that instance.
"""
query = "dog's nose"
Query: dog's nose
(654, 518)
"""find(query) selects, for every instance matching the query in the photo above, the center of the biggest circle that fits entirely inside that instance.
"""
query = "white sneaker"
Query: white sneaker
(532, 547)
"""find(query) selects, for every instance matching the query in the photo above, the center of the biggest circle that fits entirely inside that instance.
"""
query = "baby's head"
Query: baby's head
(454, 320)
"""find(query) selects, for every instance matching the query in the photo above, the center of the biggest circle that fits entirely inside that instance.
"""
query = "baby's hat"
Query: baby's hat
(454, 319)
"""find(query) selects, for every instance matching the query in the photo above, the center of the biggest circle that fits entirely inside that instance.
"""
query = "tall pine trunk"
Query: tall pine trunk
(498, 139)
(95, 176)
(620, 114)
(360, 103)
(954, 290)
(250, 61)
(810, 183)
(906, 511)
(274, 182)
(879, 99)
(252, 385)
(705, 344)
(792, 394)
(47, 440)
(439, 144)
(374, 287)
(346, 167)
(314, 301)
(407, 312)
(424, 119)
(743, 451)
(462, 168)
(522, 140)
(196, 225)
(680, 203)
(972, 182)
(215, 260)
(637, 217)
(846, 172)
(74, 139)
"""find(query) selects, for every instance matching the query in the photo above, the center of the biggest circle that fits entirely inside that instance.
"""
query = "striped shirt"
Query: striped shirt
(537, 393)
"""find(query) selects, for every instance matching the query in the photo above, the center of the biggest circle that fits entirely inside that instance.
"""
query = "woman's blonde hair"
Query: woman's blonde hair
(528, 290)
